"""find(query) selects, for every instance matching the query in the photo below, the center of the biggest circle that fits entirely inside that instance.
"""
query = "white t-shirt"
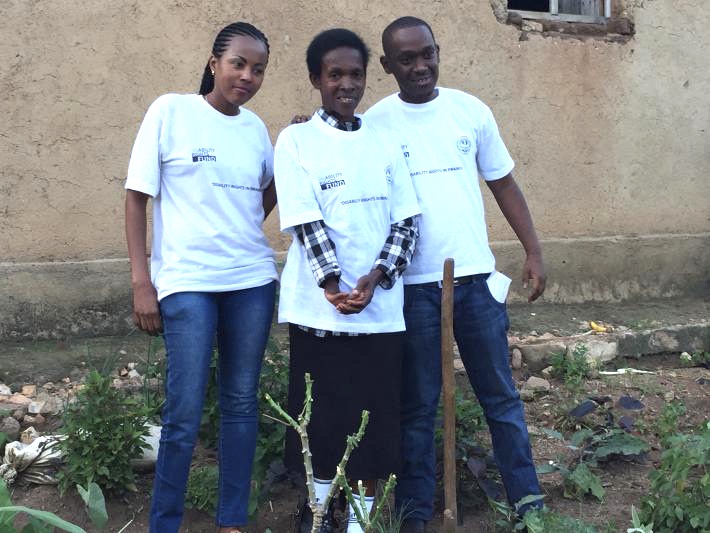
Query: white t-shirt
(447, 143)
(359, 185)
(206, 172)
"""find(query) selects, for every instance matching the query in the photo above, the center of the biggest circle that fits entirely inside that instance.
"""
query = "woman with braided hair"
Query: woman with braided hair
(207, 164)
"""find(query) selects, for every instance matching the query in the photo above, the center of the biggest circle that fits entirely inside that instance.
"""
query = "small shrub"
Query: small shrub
(573, 370)
(537, 520)
(667, 422)
(695, 359)
(203, 489)
(680, 488)
(104, 430)
(268, 462)
(470, 454)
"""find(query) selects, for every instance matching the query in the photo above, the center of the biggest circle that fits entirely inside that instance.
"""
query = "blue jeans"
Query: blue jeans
(480, 325)
(241, 321)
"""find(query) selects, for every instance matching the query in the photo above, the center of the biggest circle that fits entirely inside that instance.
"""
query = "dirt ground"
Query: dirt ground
(625, 482)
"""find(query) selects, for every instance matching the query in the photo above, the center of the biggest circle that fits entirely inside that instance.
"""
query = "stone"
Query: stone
(537, 384)
(19, 414)
(516, 359)
(598, 351)
(527, 395)
(537, 356)
(29, 390)
(53, 405)
(19, 399)
(5, 390)
(49, 386)
(133, 373)
(35, 407)
(458, 364)
(669, 396)
(547, 372)
(37, 420)
(29, 435)
(131, 366)
(10, 427)
(666, 341)
(534, 431)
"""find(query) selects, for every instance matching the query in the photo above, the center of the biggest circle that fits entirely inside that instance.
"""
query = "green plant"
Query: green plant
(680, 488)
(104, 430)
(667, 421)
(272, 434)
(203, 489)
(695, 359)
(153, 368)
(537, 520)
(470, 453)
(589, 448)
(573, 369)
(39, 521)
(95, 504)
(638, 525)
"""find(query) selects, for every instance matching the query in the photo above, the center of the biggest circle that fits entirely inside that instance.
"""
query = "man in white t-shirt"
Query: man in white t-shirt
(449, 139)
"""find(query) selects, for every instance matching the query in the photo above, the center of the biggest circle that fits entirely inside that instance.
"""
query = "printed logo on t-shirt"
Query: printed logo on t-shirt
(464, 144)
(203, 154)
(405, 150)
(388, 174)
(331, 181)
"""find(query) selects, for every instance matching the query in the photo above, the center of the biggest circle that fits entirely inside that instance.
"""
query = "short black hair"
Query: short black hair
(401, 23)
(329, 40)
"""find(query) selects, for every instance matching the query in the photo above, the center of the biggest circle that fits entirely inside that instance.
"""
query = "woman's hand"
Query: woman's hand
(331, 290)
(362, 293)
(146, 313)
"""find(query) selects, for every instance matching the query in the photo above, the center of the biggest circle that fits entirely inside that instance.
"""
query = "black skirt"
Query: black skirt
(349, 374)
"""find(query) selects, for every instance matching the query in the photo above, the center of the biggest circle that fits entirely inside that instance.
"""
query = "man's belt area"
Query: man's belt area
(462, 280)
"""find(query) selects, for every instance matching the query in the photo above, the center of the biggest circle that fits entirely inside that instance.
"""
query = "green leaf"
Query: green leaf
(45, 516)
(586, 481)
(95, 504)
(621, 443)
(552, 433)
(546, 469)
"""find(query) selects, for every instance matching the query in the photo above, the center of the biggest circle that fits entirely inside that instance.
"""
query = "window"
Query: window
(596, 11)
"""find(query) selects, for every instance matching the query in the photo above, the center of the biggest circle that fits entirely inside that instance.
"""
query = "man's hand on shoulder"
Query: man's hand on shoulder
(534, 271)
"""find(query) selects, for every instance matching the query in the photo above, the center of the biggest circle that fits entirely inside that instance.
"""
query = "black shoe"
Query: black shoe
(413, 525)
(304, 520)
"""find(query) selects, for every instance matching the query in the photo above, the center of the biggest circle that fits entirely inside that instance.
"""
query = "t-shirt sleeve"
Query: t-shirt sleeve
(297, 201)
(492, 157)
(144, 165)
(404, 202)
(268, 174)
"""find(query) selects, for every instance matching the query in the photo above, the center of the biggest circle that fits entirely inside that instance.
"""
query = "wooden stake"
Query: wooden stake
(449, 396)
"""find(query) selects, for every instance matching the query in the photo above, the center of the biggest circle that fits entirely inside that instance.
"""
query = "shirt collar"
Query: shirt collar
(334, 121)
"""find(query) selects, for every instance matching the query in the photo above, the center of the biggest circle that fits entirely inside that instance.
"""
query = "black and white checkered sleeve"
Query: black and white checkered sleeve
(397, 252)
(320, 251)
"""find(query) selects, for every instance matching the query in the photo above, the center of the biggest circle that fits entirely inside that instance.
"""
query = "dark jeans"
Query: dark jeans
(480, 325)
(241, 320)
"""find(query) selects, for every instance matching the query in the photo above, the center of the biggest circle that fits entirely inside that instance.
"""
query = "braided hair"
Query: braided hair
(221, 43)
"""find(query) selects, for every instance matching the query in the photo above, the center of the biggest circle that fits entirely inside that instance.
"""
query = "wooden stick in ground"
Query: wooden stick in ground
(449, 396)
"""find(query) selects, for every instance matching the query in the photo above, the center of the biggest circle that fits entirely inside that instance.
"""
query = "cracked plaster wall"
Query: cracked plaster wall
(609, 139)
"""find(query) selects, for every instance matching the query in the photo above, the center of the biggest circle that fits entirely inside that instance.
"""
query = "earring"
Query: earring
(212, 72)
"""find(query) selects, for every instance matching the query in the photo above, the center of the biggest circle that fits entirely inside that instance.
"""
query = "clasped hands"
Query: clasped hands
(349, 303)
